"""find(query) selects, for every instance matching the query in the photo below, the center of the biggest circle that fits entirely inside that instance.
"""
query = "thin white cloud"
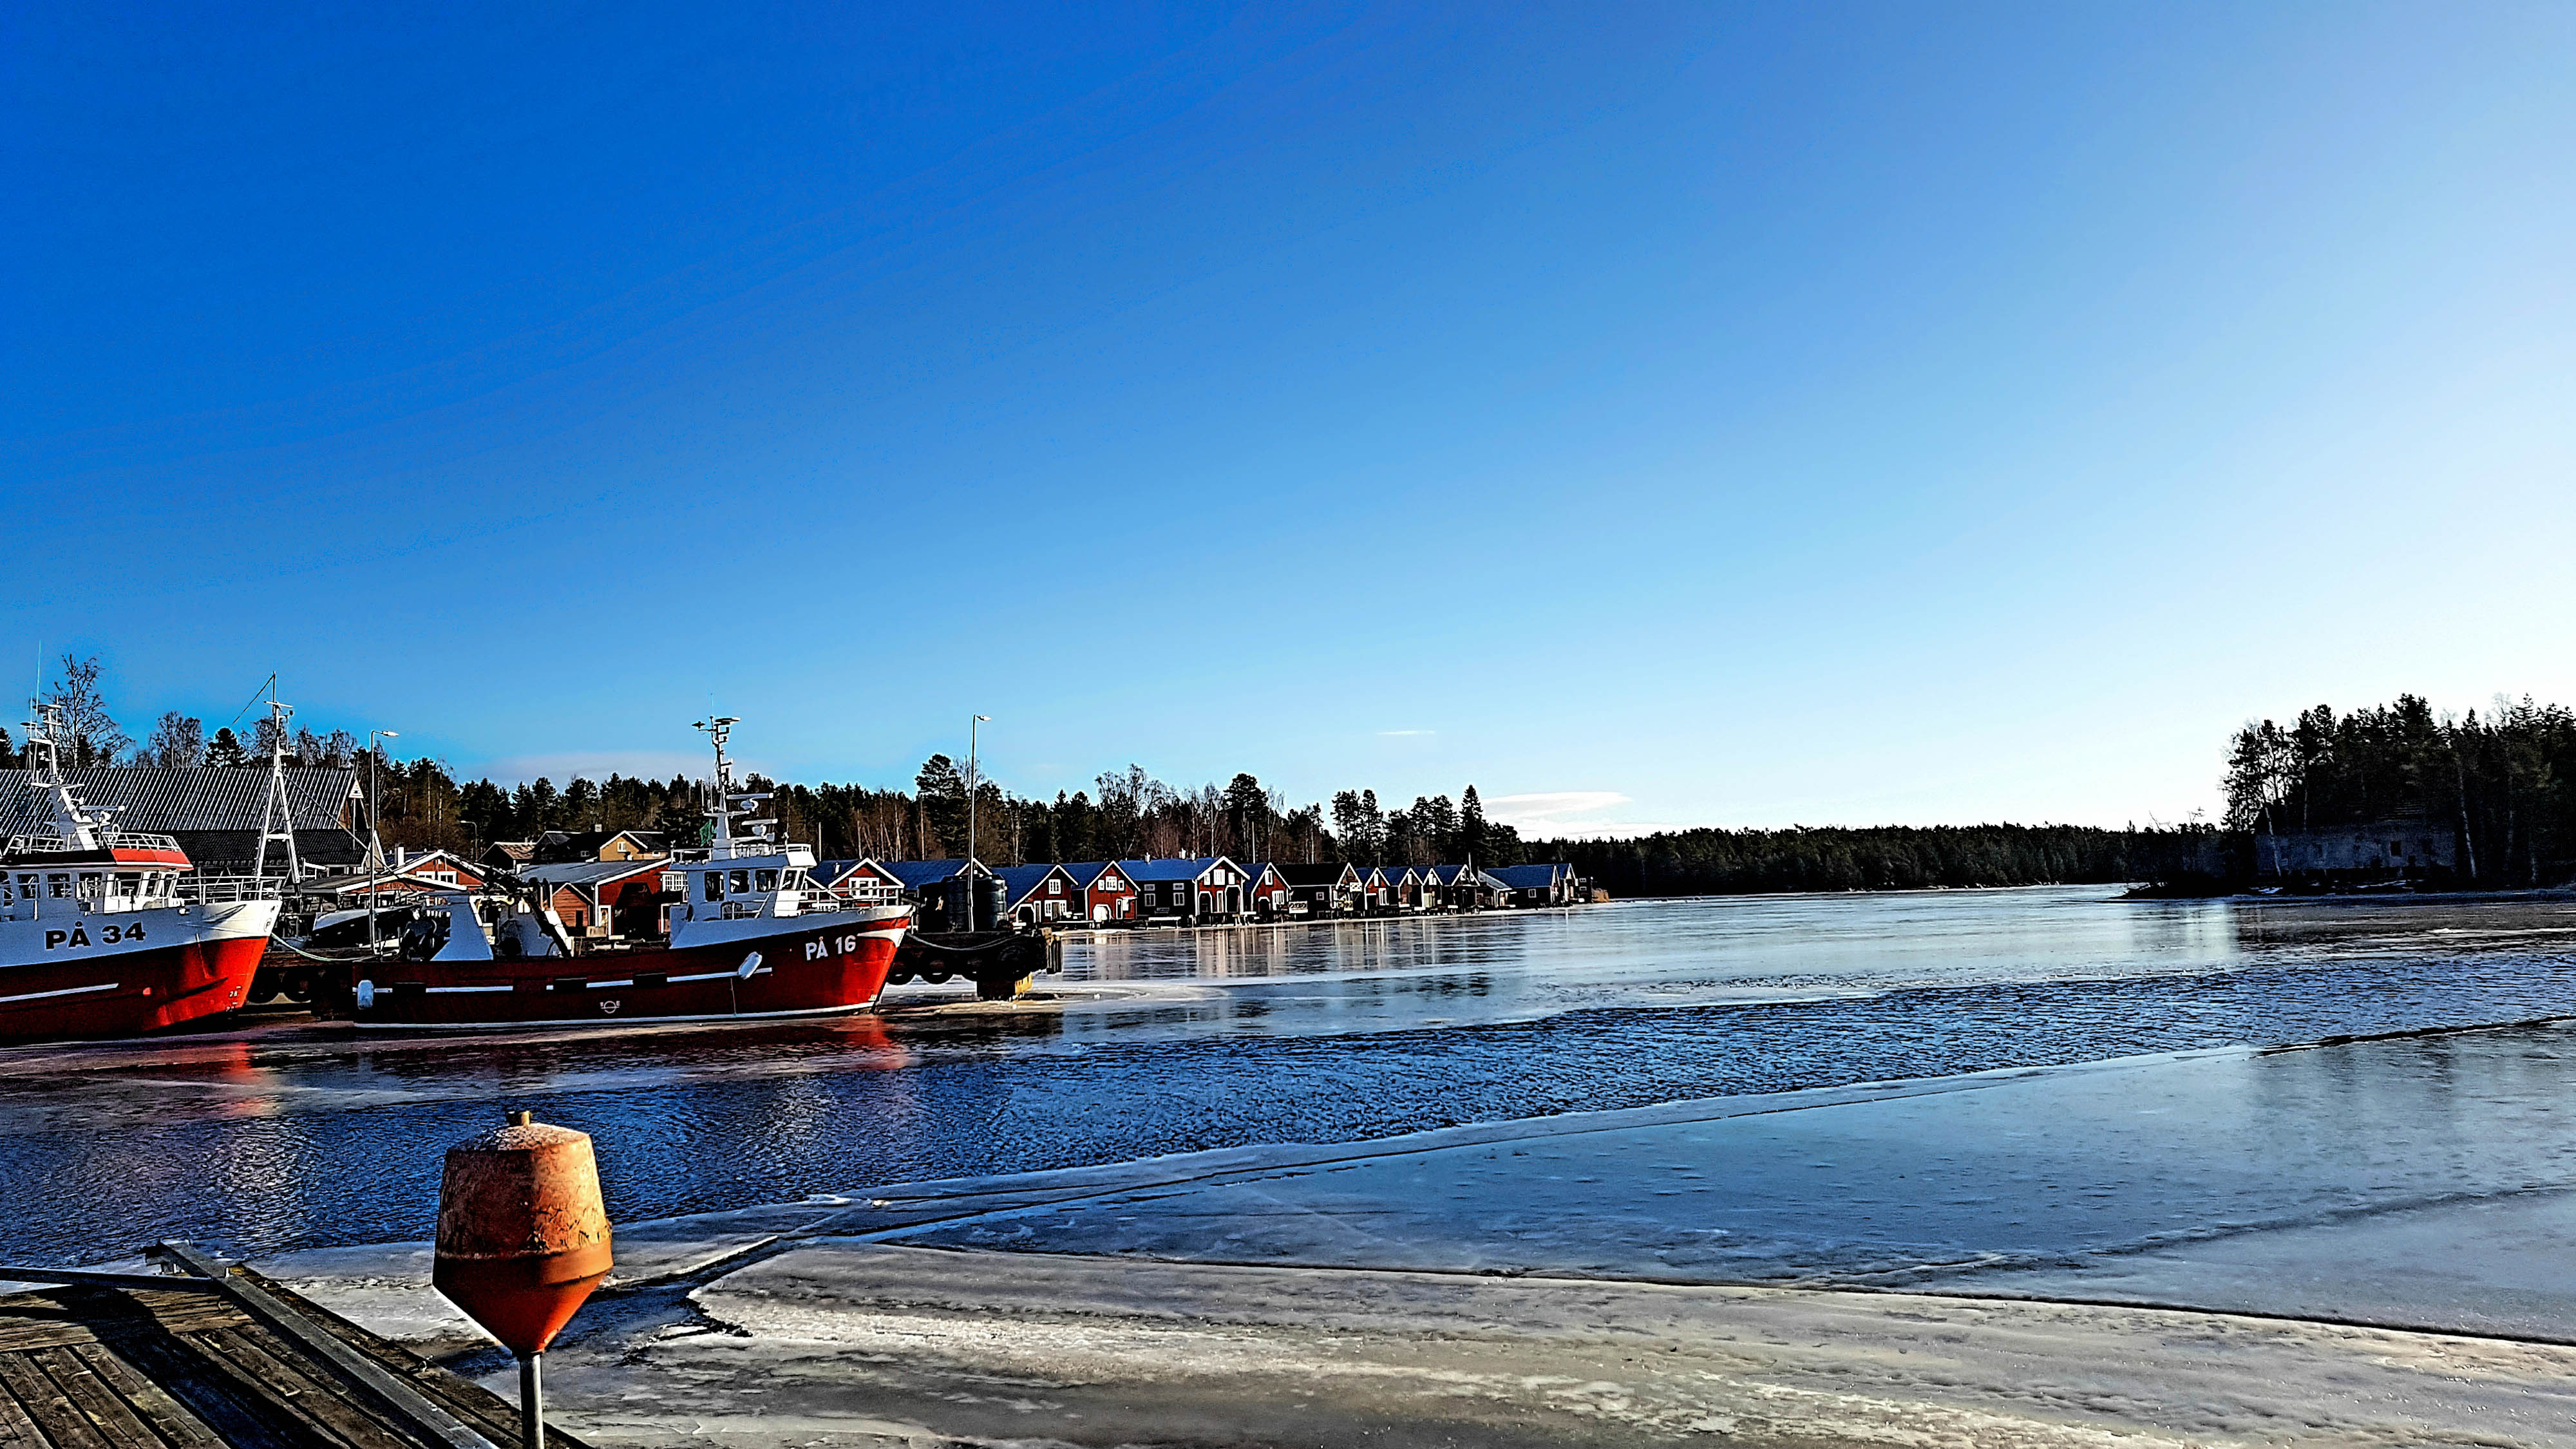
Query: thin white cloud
(1573, 814)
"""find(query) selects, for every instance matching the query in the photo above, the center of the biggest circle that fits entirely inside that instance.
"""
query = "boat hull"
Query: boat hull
(814, 966)
(68, 978)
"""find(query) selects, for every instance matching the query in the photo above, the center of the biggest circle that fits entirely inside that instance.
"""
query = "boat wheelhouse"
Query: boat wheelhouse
(97, 936)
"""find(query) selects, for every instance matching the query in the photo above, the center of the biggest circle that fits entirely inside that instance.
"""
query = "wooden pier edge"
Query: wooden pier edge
(89, 1366)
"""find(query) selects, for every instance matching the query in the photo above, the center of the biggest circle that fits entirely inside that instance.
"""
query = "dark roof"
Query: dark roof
(230, 852)
(1311, 875)
(918, 873)
(1529, 877)
(563, 845)
(515, 852)
(1084, 872)
(429, 860)
(1183, 867)
(168, 799)
(361, 878)
(1021, 880)
(589, 872)
(832, 872)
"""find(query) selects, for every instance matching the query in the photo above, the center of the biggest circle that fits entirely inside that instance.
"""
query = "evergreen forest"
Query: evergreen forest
(2501, 783)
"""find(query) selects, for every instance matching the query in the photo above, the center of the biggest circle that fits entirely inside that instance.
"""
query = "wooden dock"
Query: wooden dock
(87, 1366)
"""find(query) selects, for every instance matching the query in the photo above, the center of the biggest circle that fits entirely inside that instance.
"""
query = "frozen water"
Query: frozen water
(2422, 1180)
(283, 1139)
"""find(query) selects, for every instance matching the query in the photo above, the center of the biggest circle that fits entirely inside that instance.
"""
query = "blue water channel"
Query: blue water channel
(289, 1135)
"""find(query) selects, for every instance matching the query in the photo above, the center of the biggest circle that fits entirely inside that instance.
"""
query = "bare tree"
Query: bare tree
(95, 735)
(177, 741)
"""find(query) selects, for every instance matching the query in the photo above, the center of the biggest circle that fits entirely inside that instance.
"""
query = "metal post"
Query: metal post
(532, 1403)
(970, 806)
(375, 840)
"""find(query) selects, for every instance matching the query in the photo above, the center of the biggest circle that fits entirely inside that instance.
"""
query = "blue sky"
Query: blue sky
(1691, 414)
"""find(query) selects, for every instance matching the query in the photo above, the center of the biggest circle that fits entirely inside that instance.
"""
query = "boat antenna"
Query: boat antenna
(267, 686)
(719, 728)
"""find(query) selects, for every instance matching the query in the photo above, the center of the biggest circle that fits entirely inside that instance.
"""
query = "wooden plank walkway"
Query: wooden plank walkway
(108, 1368)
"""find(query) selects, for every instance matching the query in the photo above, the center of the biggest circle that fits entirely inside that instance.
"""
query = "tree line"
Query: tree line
(1888, 857)
(1126, 814)
(2501, 784)
(92, 737)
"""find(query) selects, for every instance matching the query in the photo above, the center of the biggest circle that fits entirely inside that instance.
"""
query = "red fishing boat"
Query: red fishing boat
(748, 935)
(97, 938)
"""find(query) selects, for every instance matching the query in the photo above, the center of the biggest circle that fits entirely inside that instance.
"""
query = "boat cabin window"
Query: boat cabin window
(766, 880)
(59, 886)
(715, 885)
(90, 883)
(741, 883)
(27, 887)
(129, 883)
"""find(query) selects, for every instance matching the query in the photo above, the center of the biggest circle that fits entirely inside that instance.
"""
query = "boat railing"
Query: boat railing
(51, 844)
(220, 890)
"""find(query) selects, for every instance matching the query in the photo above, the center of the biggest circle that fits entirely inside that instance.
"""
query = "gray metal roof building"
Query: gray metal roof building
(213, 811)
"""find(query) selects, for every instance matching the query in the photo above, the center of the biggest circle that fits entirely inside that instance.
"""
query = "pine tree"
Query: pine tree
(1472, 830)
(226, 749)
(939, 792)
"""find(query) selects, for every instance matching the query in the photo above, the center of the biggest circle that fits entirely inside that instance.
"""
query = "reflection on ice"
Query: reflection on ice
(2426, 1181)
(1168, 1042)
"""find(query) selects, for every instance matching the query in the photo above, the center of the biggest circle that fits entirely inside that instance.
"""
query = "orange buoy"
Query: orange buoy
(522, 1234)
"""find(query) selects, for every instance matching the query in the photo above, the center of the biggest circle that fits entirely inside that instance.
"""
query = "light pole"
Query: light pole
(981, 719)
(375, 837)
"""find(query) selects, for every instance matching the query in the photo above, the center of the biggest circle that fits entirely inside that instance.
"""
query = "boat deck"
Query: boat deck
(87, 1367)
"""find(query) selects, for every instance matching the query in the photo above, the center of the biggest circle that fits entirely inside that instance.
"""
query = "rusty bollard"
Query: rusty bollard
(522, 1239)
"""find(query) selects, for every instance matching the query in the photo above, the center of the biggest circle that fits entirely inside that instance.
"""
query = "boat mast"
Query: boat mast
(719, 728)
(74, 823)
(276, 818)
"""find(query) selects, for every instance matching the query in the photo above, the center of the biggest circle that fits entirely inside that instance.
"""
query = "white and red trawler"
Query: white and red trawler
(749, 936)
(96, 939)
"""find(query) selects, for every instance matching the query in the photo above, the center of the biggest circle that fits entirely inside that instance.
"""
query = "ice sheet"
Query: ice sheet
(2391, 1181)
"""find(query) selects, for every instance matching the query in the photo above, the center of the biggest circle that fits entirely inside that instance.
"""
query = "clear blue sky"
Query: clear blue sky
(1733, 414)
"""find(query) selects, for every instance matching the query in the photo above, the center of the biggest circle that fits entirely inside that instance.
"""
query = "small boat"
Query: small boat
(749, 935)
(100, 935)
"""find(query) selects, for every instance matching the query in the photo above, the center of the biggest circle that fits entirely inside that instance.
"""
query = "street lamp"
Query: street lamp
(375, 837)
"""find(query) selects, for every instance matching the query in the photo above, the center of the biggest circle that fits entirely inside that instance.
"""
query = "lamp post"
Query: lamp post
(972, 885)
(981, 719)
(375, 838)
